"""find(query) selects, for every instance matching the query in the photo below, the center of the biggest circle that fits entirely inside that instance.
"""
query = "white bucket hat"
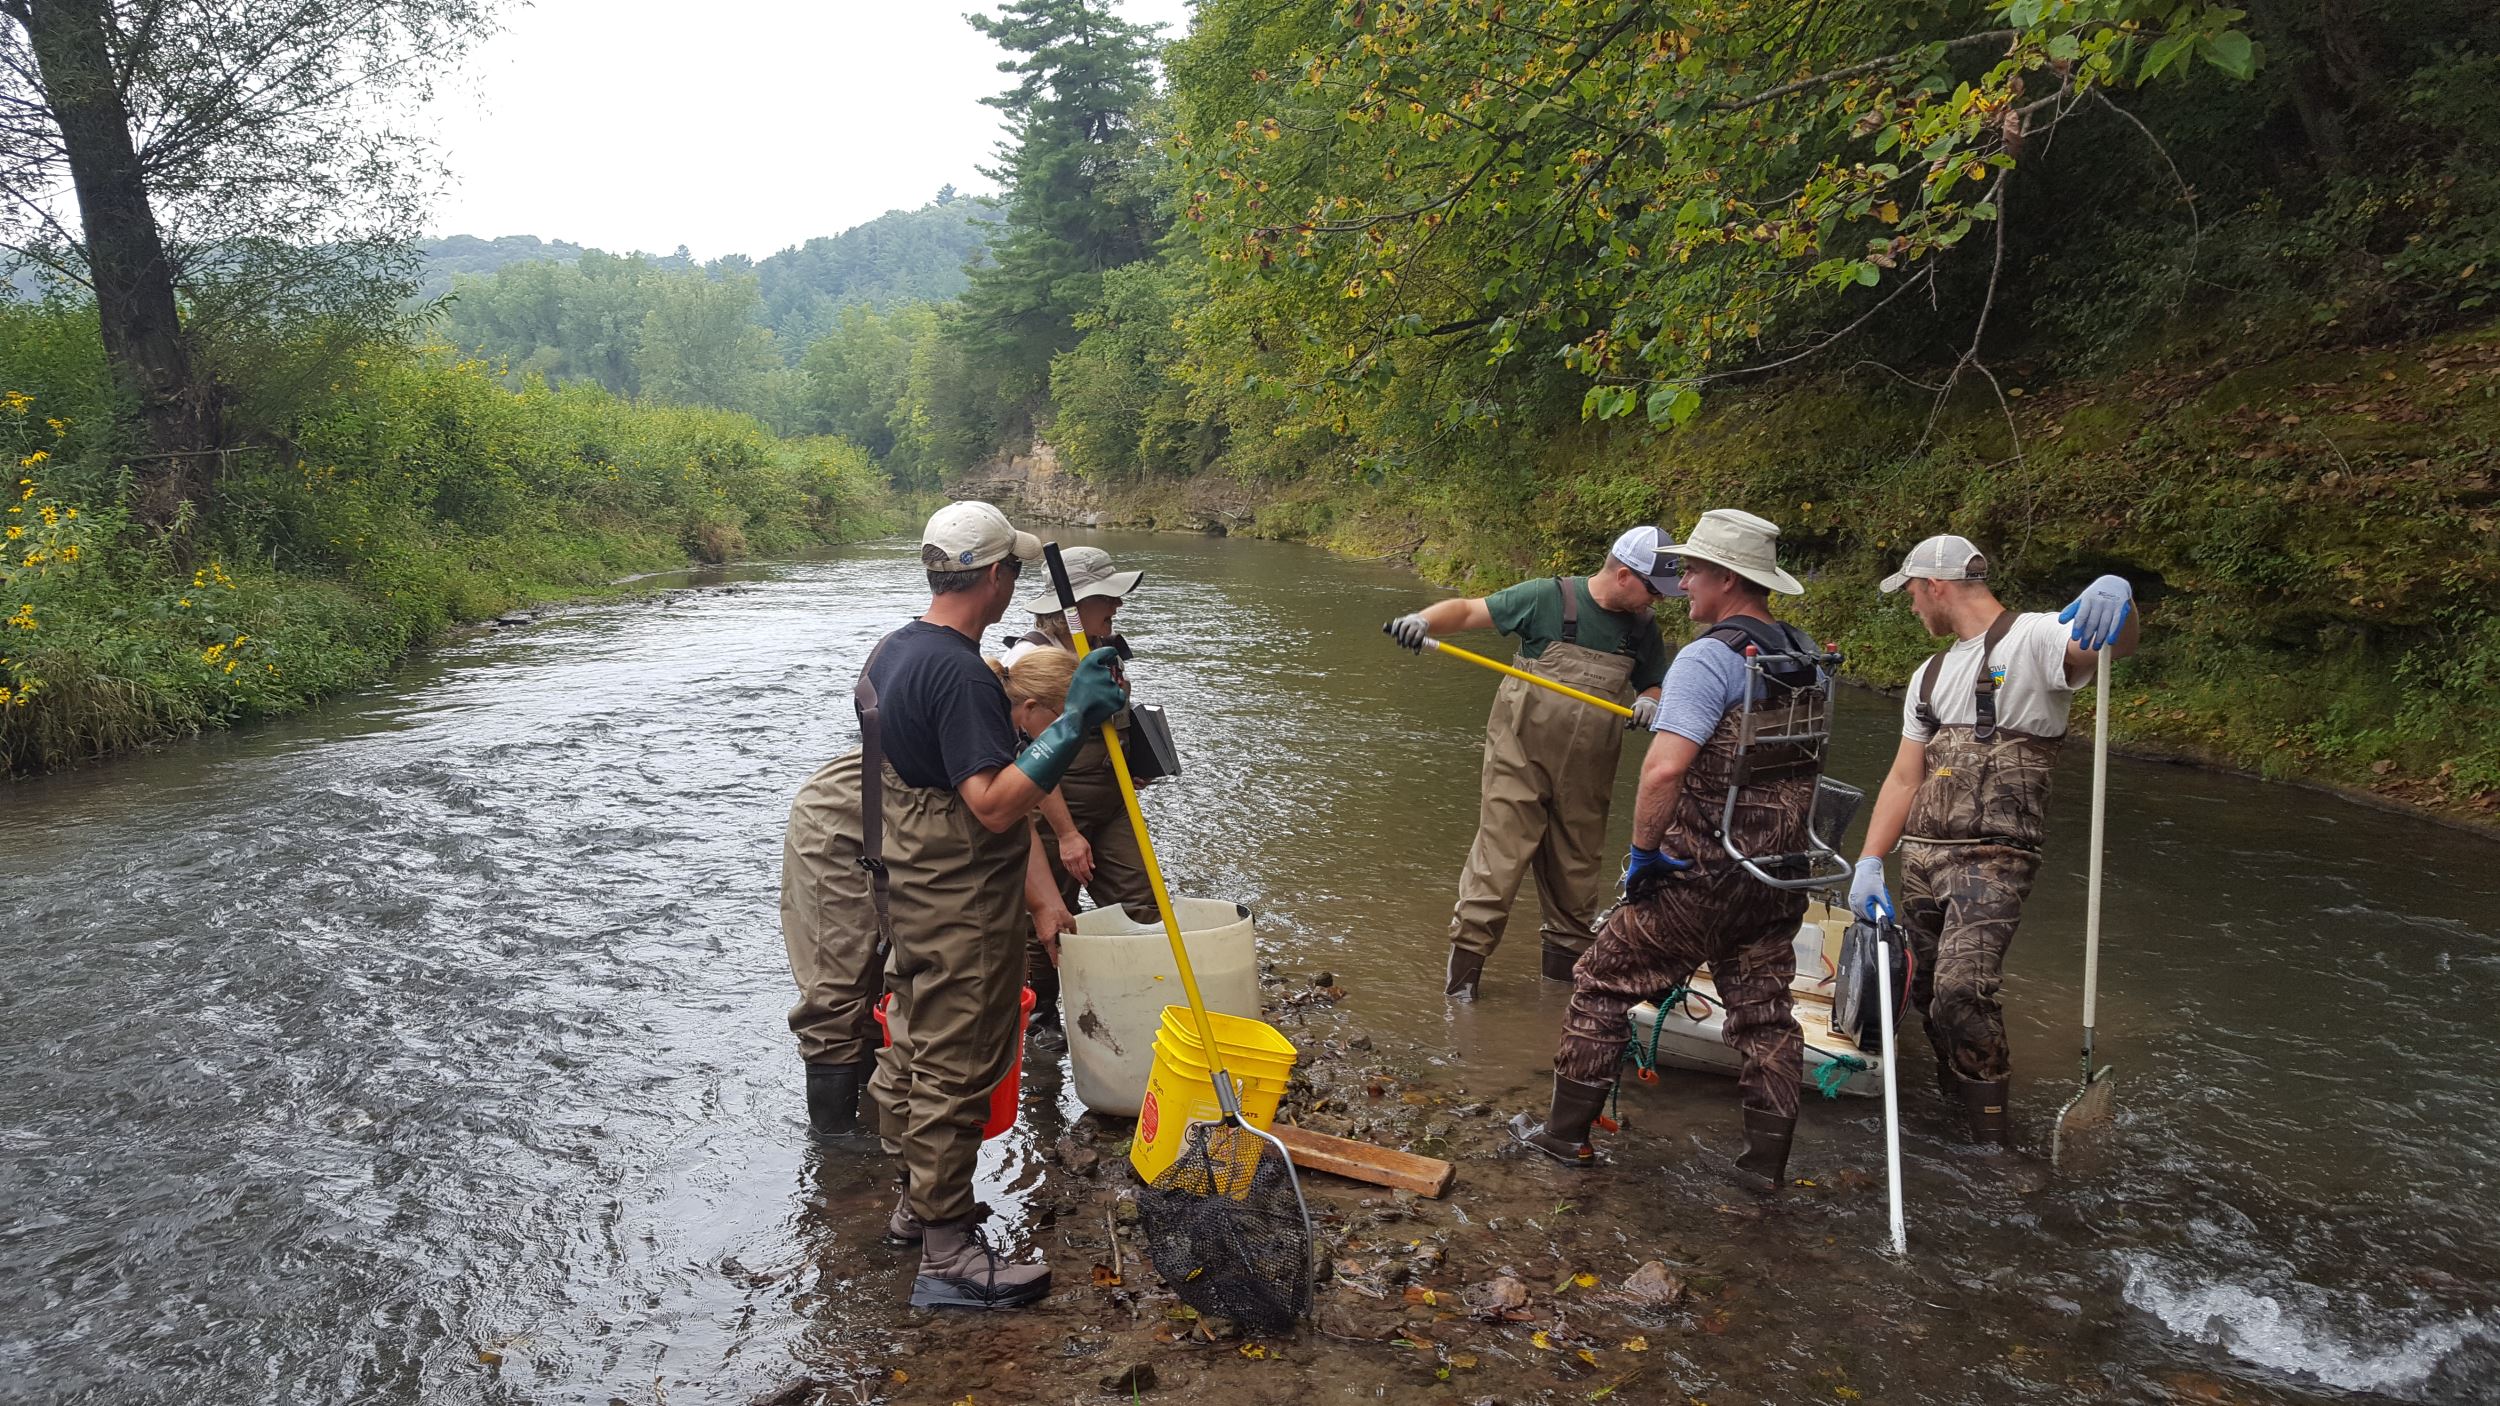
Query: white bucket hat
(969, 536)
(1744, 544)
(1942, 558)
(1090, 575)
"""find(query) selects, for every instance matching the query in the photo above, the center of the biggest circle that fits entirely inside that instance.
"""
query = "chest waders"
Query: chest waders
(1747, 817)
(1969, 852)
(948, 898)
(1547, 788)
(836, 921)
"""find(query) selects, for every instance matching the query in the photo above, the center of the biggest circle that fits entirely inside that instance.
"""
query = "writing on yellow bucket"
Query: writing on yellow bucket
(1180, 1088)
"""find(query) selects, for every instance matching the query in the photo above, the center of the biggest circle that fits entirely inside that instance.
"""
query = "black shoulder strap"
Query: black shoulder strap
(1571, 608)
(1738, 632)
(872, 796)
(1984, 687)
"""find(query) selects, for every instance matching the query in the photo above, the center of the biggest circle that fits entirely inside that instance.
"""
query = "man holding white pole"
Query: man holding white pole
(1967, 798)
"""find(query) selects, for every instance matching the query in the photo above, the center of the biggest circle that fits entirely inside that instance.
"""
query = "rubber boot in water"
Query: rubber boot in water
(1984, 1101)
(833, 1103)
(1466, 974)
(1558, 962)
(958, 1269)
(1564, 1135)
(1762, 1168)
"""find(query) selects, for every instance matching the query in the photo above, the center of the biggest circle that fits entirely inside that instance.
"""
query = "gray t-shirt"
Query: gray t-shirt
(1706, 679)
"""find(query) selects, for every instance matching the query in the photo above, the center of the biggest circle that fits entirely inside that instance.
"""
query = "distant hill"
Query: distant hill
(902, 256)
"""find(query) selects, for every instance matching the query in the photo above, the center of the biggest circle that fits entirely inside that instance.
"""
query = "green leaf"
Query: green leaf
(2232, 52)
(2164, 54)
(1868, 275)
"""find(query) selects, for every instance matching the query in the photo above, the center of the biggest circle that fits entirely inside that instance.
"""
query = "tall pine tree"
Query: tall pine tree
(1072, 209)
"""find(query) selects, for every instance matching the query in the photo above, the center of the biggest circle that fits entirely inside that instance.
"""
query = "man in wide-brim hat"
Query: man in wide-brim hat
(1687, 901)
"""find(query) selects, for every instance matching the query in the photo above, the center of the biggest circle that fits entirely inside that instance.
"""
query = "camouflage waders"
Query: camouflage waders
(1969, 851)
(1548, 785)
(1716, 913)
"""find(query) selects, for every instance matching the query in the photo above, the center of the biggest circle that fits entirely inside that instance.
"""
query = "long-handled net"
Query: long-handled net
(1225, 1223)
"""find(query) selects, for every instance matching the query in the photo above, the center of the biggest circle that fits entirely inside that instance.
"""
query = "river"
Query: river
(429, 1046)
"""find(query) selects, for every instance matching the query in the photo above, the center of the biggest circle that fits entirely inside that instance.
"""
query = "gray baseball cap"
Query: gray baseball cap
(1943, 558)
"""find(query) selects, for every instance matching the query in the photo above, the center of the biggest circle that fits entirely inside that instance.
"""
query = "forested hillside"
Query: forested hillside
(2199, 292)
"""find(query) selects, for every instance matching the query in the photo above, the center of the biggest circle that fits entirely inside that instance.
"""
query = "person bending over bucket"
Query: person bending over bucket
(1549, 760)
(1967, 798)
(949, 847)
(1690, 897)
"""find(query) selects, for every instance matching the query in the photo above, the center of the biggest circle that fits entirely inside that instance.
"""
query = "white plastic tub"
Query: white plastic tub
(1117, 975)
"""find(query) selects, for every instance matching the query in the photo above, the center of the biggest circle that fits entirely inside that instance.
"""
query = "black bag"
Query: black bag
(1857, 1009)
(1151, 755)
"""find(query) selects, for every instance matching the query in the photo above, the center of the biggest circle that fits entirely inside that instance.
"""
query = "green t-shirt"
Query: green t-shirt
(1532, 610)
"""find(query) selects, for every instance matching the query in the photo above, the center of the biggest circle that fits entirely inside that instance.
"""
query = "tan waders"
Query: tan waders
(830, 932)
(1970, 849)
(1549, 781)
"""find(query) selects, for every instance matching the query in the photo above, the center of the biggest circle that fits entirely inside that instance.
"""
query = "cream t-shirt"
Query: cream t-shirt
(2032, 692)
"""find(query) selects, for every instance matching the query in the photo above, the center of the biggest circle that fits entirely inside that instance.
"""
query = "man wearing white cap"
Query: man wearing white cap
(1687, 900)
(1967, 798)
(1549, 761)
(936, 831)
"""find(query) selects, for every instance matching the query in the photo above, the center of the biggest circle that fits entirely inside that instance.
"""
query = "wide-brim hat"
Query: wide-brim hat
(1090, 575)
(1743, 543)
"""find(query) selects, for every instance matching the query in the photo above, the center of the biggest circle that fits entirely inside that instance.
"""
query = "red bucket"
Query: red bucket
(1003, 1098)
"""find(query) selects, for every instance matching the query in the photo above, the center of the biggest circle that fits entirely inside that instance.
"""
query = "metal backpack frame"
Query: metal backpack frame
(1797, 735)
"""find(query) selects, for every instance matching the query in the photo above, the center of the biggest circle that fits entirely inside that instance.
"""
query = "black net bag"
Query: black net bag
(1225, 1228)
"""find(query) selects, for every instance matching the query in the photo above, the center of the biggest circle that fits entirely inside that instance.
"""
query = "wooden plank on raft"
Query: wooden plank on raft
(1360, 1161)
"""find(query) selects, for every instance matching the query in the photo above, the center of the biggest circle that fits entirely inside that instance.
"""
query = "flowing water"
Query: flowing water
(429, 1046)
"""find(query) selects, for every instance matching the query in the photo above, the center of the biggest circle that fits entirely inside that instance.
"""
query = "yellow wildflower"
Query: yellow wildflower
(35, 458)
(16, 532)
(24, 619)
(69, 553)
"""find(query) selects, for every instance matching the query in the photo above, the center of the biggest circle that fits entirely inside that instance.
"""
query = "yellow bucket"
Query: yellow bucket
(1180, 1089)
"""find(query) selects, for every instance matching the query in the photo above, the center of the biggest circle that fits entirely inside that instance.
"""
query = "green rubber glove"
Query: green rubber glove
(1093, 696)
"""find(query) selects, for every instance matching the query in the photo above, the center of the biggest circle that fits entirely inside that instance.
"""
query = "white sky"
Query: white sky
(732, 127)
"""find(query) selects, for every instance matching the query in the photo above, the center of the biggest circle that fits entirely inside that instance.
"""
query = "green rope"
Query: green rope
(1649, 1060)
(1836, 1071)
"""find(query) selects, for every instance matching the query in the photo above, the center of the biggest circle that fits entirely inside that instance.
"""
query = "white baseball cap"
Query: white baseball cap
(1743, 543)
(1650, 555)
(969, 536)
(1943, 558)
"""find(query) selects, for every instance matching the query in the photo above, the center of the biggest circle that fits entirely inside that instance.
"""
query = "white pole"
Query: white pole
(1892, 1105)
(2092, 891)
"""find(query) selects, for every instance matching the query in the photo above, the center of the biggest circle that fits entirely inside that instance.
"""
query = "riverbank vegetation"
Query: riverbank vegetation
(2200, 293)
(239, 474)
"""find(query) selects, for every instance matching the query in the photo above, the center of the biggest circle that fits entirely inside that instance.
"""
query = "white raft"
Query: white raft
(1691, 1035)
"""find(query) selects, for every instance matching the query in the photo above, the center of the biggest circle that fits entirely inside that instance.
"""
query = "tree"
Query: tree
(701, 344)
(231, 162)
(1072, 208)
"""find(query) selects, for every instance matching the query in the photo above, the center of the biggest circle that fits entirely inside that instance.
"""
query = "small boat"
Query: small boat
(1690, 1034)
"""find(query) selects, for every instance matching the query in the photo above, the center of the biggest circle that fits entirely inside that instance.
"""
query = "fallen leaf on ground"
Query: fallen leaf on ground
(1586, 1356)
(1539, 1339)
(1585, 1281)
(1253, 1351)
(1637, 1344)
(1104, 1278)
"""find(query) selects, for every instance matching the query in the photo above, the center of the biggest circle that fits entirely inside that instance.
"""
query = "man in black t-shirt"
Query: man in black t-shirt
(960, 855)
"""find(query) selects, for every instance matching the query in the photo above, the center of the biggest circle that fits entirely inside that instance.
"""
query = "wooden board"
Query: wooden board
(1360, 1161)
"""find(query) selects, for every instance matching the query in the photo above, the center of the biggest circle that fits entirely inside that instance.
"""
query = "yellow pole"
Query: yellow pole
(1539, 680)
(1145, 842)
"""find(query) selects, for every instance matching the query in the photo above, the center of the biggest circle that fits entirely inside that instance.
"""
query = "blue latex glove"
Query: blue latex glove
(1868, 898)
(2100, 612)
(1645, 869)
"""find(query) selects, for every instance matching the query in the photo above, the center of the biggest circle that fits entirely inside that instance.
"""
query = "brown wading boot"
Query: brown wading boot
(833, 1104)
(958, 1269)
(1466, 973)
(1984, 1101)
(1762, 1168)
(902, 1227)
(1559, 962)
(1564, 1135)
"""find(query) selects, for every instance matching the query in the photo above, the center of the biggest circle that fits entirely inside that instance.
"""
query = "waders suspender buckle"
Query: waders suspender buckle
(872, 799)
(1983, 688)
(1802, 737)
